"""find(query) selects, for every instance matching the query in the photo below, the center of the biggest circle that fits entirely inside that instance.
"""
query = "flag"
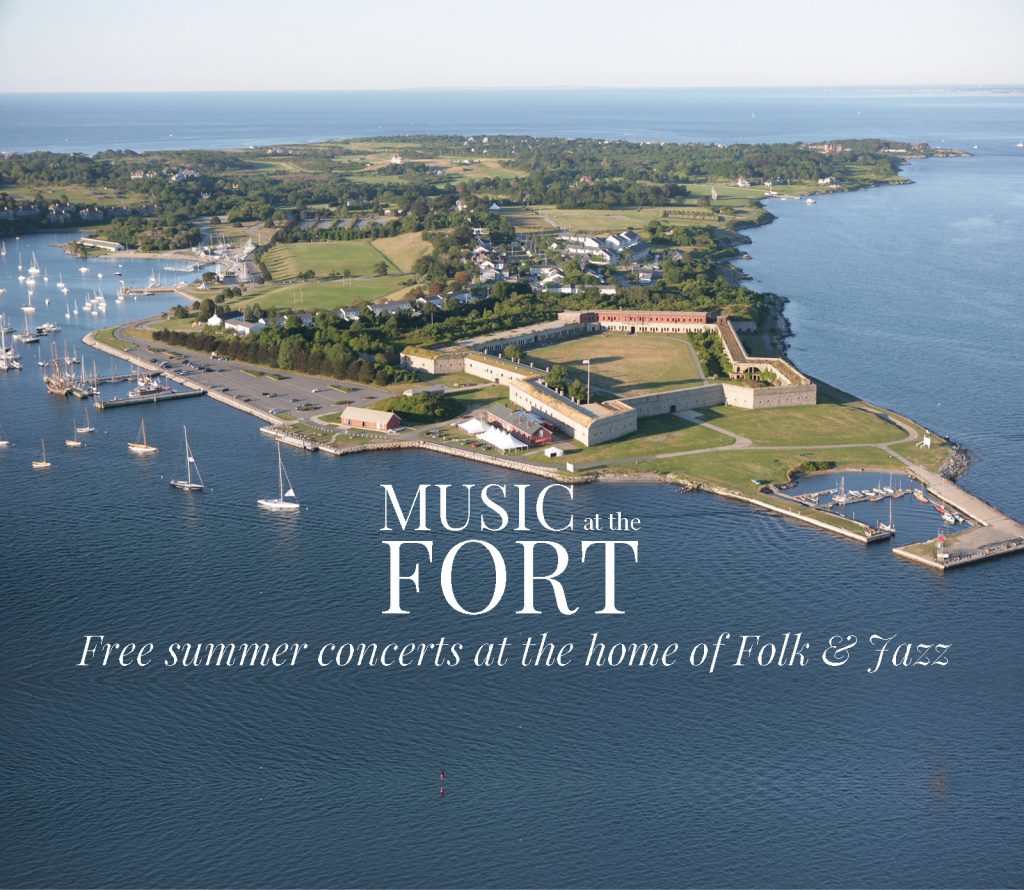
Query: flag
(586, 361)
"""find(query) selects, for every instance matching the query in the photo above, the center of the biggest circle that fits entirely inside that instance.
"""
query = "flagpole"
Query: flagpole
(586, 361)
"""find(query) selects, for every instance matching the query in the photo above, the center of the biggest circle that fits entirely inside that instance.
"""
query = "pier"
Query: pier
(103, 405)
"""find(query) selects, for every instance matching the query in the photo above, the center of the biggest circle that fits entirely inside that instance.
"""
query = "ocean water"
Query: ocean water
(145, 121)
(619, 778)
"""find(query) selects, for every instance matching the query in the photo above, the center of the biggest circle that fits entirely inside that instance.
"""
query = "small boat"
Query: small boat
(810, 201)
(280, 504)
(83, 269)
(190, 464)
(920, 496)
(142, 447)
(4, 441)
(34, 268)
(889, 526)
(67, 313)
(42, 463)
(74, 441)
(76, 307)
(86, 428)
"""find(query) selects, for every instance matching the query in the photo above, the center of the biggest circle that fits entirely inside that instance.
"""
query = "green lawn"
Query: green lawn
(314, 295)
(621, 364)
(655, 435)
(823, 424)
(471, 399)
(737, 469)
(325, 258)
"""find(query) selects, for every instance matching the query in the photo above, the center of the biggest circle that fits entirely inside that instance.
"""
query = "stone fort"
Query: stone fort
(768, 382)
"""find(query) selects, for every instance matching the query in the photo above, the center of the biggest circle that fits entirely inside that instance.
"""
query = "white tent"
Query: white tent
(553, 451)
(473, 426)
(501, 440)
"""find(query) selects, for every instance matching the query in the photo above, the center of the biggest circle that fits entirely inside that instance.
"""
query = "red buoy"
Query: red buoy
(442, 792)
(442, 775)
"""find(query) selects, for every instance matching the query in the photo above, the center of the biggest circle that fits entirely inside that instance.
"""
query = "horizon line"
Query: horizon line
(541, 88)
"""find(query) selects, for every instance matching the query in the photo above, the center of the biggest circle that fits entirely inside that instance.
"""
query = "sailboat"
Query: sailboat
(889, 526)
(74, 441)
(34, 268)
(4, 441)
(42, 464)
(67, 311)
(85, 429)
(280, 504)
(142, 447)
(190, 464)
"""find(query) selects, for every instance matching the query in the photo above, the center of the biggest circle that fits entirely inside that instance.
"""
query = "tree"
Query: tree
(291, 351)
(381, 268)
(577, 391)
(556, 377)
(513, 353)
(207, 308)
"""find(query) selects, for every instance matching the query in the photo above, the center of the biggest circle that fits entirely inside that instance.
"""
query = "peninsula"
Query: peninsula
(563, 307)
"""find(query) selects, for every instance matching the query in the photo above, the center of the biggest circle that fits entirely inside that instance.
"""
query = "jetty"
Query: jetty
(995, 534)
(124, 401)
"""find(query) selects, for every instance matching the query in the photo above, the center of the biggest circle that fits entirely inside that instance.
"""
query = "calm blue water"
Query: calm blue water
(744, 778)
(145, 121)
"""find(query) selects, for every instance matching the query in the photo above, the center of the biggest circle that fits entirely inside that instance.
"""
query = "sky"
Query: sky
(120, 45)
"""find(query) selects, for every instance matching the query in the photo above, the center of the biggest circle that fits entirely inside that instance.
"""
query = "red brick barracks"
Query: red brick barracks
(635, 321)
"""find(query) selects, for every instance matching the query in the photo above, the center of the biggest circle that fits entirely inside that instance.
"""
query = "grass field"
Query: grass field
(737, 469)
(314, 295)
(403, 250)
(617, 219)
(76, 194)
(822, 424)
(621, 364)
(655, 435)
(325, 258)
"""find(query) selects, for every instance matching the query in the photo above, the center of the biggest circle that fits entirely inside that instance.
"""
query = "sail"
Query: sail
(290, 493)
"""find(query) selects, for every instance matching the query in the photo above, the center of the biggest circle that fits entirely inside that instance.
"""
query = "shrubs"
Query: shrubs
(424, 407)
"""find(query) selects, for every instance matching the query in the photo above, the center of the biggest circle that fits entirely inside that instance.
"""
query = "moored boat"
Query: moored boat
(142, 447)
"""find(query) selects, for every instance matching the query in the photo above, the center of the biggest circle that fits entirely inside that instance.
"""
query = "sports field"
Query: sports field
(315, 295)
(624, 364)
(325, 258)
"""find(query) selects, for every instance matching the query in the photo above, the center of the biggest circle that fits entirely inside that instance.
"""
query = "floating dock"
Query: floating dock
(104, 404)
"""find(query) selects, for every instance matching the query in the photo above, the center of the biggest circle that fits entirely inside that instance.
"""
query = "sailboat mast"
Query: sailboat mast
(280, 473)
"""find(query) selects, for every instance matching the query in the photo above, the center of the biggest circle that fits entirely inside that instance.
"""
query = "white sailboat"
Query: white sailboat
(76, 307)
(42, 463)
(190, 465)
(280, 504)
(889, 526)
(67, 311)
(142, 447)
(74, 441)
(34, 268)
(4, 441)
(86, 428)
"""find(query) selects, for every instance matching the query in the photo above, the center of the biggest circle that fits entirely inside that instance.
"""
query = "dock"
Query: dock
(104, 404)
(995, 534)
